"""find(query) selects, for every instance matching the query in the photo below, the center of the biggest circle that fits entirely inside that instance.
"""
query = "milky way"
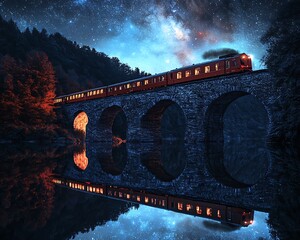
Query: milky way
(154, 35)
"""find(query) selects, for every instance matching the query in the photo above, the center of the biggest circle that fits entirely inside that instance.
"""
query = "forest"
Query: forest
(35, 67)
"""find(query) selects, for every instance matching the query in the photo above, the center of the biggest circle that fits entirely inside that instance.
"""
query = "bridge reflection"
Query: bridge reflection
(233, 215)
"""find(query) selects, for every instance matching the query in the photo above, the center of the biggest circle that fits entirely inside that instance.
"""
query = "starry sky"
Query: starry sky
(153, 223)
(153, 35)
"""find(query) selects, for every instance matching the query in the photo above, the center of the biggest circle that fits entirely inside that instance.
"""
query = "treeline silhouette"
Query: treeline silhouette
(76, 67)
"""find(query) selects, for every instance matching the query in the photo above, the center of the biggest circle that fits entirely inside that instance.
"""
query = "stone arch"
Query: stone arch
(233, 122)
(164, 120)
(113, 122)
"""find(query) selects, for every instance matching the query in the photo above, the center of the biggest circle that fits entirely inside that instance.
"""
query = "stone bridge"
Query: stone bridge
(213, 118)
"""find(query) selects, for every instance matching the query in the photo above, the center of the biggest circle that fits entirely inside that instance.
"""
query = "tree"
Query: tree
(282, 59)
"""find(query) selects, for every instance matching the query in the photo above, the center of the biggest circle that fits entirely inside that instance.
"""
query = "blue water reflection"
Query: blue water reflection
(152, 223)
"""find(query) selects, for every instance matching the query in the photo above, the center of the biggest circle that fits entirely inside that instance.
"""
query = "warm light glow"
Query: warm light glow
(117, 141)
(80, 122)
(80, 160)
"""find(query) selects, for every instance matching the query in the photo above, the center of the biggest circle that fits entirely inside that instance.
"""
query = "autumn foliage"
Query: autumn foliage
(27, 91)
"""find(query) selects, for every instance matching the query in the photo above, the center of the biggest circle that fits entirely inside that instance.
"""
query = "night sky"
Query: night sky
(154, 35)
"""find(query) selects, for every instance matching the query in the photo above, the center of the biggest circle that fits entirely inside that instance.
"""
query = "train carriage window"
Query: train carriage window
(120, 194)
(127, 196)
(207, 69)
(138, 198)
(115, 88)
(162, 78)
(227, 64)
(217, 66)
(154, 80)
(146, 82)
(234, 63)
(187, 73)
(189, 207)
(101, 91)
(179, 75)
(94, 92)
(128, 85)
(219, 214)
(197, 71)
(180, 206)
(198, 210)
(98, 92)
(146, 199)
(120, 88)
(209, 212)
(163, 203)
(138, 84)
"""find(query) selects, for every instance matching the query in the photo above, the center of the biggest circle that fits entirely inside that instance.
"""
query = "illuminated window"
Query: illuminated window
(219, 214)
(209, 212)
(227, 64)
(163, 203)
(207, 69)
(127, 196)
(179, 206)
(189, 207)
(138, 198)
(120, 194)
(128, 85)
(138, 84)
(153, 201)
(146, 199)
(198, 210)
(94, 189)
(98, 91)
(217, 66)
(154, 80)
(162, 78)
(94, 92)
(197, 71)
(115, 88)
(187, 73)
(146, 82)
(120, 88)
(101, 190)
(179, 75)
(101, 91)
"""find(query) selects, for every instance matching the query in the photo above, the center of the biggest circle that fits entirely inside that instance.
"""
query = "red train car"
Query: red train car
(136, 85)
(223, 213)
(224, 65)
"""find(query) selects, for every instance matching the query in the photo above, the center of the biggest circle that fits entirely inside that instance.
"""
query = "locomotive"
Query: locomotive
(240, 217)
(223, 66)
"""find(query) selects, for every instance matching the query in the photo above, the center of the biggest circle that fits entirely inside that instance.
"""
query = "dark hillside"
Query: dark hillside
(76, 68)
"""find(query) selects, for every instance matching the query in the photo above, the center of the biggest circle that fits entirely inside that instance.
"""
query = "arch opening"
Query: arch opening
(166, 161)
(113, 161)
(113, 123)
(236, 132)
(164, 121)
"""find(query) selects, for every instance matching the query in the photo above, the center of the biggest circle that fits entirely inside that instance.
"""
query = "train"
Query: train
(240, 217)
(225, 65)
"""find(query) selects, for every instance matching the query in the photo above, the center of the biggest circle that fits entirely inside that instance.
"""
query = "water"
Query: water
(32, 207)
